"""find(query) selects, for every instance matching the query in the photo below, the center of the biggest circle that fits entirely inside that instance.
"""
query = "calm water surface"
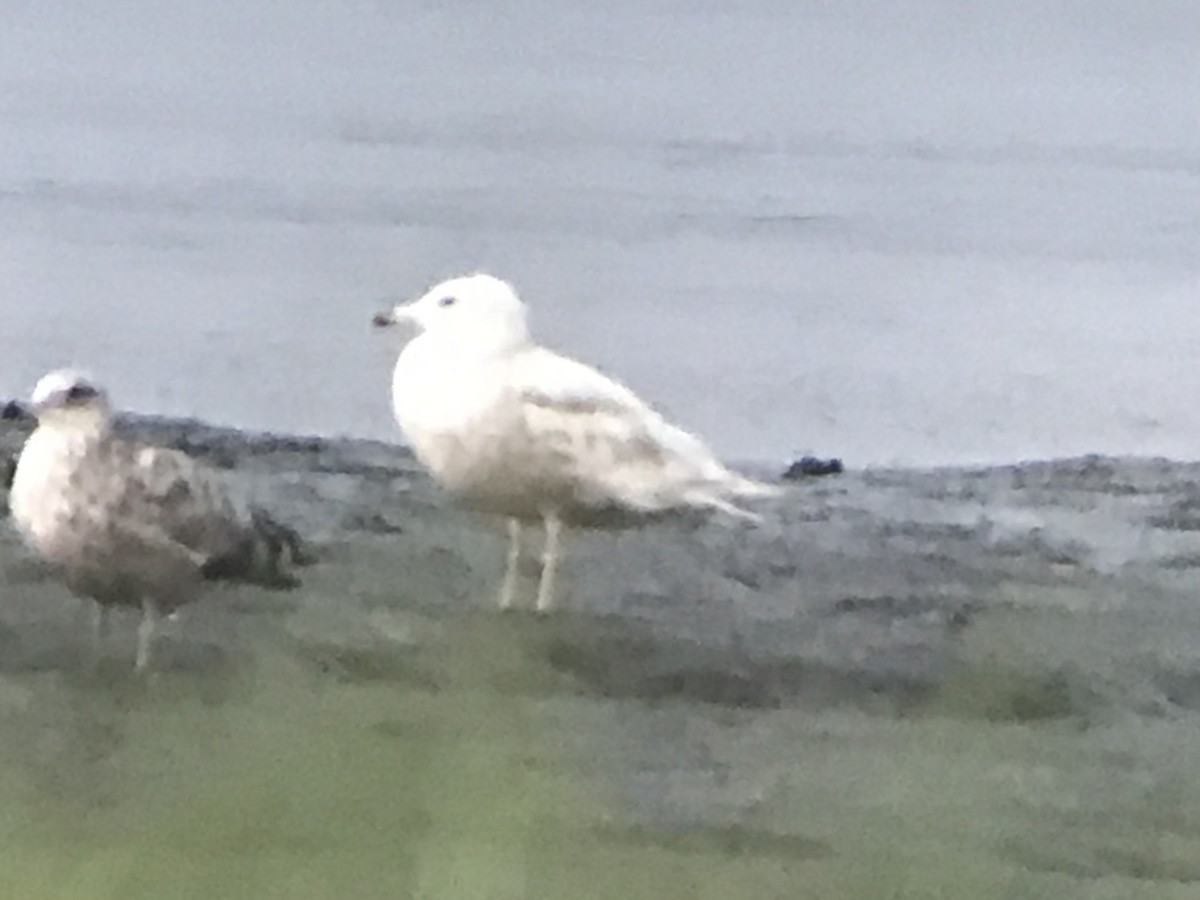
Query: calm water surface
(926, 233)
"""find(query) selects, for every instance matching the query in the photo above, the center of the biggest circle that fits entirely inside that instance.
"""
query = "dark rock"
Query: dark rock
(811, 467)
(12, 410)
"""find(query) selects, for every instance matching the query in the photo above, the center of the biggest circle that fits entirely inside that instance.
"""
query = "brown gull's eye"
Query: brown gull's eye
(447, 301)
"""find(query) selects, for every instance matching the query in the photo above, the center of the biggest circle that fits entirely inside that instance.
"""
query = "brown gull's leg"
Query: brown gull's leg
(146, 630)
(99, 631)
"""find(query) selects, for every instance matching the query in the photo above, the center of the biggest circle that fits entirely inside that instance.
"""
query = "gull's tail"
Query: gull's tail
(258, 557)
(723, 495)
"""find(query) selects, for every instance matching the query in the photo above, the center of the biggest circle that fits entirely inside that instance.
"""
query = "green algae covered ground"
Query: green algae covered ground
(952, 684)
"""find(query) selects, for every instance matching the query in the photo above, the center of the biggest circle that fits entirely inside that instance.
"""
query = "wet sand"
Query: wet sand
(905, 683)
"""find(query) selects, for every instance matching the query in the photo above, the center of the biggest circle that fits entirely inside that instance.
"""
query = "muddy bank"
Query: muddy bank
(996, 666)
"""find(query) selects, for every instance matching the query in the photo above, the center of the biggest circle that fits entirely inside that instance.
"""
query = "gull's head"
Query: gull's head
(67, 396)
(479, 311)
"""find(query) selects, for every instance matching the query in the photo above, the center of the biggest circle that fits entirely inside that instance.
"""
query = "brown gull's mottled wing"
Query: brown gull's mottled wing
(167, 495)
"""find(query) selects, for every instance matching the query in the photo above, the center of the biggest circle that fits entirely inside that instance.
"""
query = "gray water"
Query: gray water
(925, 232)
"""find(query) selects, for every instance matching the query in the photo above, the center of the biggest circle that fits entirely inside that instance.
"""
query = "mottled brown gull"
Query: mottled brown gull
(515, 429)
(129, 524)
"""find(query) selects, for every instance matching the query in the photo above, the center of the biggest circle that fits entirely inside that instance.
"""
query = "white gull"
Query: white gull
(517, 430)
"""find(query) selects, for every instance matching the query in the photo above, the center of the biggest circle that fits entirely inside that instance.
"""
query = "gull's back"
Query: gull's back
(615, 450)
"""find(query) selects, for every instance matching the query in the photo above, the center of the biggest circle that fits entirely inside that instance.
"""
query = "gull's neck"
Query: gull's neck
(480, 346)
(79, 426)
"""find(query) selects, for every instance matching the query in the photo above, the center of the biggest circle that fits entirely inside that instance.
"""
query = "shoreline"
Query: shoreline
(213, 440)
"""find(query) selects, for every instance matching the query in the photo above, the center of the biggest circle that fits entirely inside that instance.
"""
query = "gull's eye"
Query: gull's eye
(447, 301)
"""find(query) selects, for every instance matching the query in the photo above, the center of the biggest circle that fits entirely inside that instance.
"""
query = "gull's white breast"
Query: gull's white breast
(39, 500)
(452, 408)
